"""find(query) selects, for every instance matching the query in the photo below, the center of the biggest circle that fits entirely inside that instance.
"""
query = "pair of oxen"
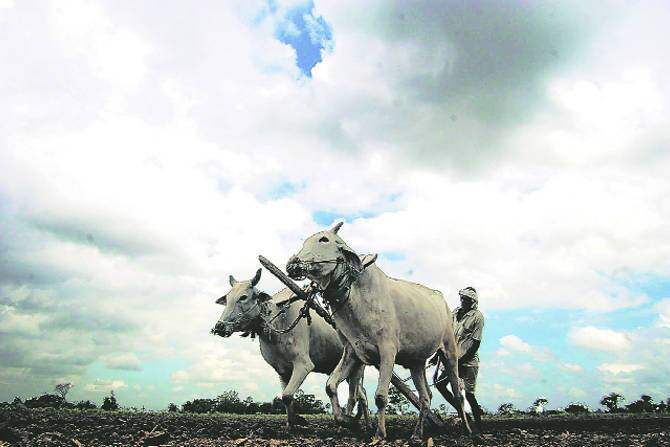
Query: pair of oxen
(380, 321)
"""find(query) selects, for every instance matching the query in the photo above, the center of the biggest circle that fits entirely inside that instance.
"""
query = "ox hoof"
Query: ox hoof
(298, 421)
(416, 439)
(477, 439)
(379, 436)
(345, 420)
(377, 441)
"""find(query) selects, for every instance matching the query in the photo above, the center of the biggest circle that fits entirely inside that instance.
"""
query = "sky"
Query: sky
(150, 149)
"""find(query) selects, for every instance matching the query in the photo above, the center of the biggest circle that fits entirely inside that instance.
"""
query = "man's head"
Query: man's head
(469, 298)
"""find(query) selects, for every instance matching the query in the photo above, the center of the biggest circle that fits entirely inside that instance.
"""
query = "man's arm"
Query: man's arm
(471, 344)
(471, 347)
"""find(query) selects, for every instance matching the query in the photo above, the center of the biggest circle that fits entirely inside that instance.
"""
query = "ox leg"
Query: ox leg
(358, 395)
(300, 372)
(386, 362)
(476, 411)
(363, 408)
(450, 360)
(353, 380)
(353, 391)
(349, 363)
(421, 384)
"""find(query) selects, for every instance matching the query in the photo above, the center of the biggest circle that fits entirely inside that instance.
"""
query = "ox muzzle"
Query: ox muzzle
(296, 268)
(222, 329)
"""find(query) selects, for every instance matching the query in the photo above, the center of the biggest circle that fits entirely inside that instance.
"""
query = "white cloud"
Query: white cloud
(663, 308)
(104, 385)
(229, 364)
(117, 54)
(126, 361)
(13, 322)
(515, 344)
(577, 393)
(597, 339)
(620, 368)
(500, 392)
(572, 367)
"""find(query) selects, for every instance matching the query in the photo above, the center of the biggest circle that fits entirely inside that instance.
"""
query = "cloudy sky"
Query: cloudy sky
(150, 149)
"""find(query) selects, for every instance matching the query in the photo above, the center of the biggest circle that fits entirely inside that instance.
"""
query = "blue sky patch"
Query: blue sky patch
(654, 286)
(392, 256)
(307, 34)
(326, 218)
(285, 189)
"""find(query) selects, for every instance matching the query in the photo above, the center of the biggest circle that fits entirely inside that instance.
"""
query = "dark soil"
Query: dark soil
(48, 427)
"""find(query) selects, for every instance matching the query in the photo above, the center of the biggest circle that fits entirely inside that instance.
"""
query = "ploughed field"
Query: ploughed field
(49, 427)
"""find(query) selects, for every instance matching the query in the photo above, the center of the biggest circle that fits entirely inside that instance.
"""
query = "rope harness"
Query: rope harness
(265, 325)
(304, 313)
(335, 295)
(338, 290)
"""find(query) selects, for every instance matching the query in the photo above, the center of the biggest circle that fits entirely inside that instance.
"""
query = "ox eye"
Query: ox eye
(323, 239)
(243, 297)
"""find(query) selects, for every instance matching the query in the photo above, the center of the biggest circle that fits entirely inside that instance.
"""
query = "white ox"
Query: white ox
(385, 321)
(293, 355)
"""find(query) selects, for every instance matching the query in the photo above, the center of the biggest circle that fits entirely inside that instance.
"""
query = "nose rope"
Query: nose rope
(267, 324)
(338, 292)
(237, 319)
(302, 267)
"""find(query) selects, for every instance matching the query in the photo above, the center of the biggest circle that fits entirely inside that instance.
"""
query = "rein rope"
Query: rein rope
(335, 295)
(304, 313)
(267, 325)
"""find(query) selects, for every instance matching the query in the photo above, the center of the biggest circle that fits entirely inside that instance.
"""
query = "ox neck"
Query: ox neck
(258, 328)
(338, 290)
(265, 333)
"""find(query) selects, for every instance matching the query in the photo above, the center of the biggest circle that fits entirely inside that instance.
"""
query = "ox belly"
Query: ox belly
(325, 346)
(276, 356)
(422, 320)
(366, 351)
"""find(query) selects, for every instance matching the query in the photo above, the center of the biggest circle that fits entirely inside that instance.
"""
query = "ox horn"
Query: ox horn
(232, 280)
(337, 227)
(256, 278)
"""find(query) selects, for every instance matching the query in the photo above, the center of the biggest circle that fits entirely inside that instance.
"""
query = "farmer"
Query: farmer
(468, 327)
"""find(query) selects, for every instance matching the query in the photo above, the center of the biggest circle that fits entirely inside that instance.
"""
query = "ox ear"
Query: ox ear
(337, 227)
(232, 280)
(263, 297)
(256, 278)
(222, 300)
(351, 257)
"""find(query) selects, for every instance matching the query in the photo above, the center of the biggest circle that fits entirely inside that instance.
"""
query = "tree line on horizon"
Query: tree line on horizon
(227, 402)
(230, 402)
(612, 403)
